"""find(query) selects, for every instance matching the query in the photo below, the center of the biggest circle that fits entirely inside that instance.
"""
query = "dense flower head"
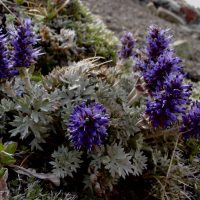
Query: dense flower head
(163, 109)
(140, 65)
(127, 45)
(24, 39)
(156, 73)
(157, 42)
(5, 67)
(88, 124)
(163, 75)
(159, 60)
(175, 88)
(191, 121)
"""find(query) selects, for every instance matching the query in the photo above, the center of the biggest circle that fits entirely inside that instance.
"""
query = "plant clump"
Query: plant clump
(86, 131)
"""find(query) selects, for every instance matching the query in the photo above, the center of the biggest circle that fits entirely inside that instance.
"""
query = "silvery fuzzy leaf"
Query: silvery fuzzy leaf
(22, 126)
(118, 163)
(98, 158)
(160, 160)
(35, 116)
(26, 126)
(139, 162)
(65, 162)
(6, 105)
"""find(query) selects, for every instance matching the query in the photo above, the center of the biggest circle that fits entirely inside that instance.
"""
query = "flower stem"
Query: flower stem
(27, 79)
(135, 98)
(170, 166)
(131, 94)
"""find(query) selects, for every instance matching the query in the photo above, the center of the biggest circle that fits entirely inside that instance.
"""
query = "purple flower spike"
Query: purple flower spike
(191, 122)
(163, 75)
(156, 72)
(157, 42)
(23, 41)
(88, 124)
(5, 67)
(163, 110)
(127, 45)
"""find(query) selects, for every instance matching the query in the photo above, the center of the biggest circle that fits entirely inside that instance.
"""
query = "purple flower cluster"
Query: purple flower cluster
(23, 54)
(156, 73)
(157, 42)
(163, 78)
(23, 41)
(159, 62)
(127, 45)
(191, 121)
(5, 66)
(88, 125)
(163, 109)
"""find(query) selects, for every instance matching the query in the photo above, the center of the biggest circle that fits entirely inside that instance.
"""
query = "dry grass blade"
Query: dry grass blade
(31, 172)
(4, 5)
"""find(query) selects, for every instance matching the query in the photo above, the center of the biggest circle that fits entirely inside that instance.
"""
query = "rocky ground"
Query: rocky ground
(135, 16)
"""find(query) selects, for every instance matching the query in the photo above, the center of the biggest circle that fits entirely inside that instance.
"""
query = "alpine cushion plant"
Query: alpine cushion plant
(37, 117)
(88, 124)
(23, 41)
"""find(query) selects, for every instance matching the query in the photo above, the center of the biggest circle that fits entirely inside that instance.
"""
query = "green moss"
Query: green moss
(97, 39)
(92, 36)
(92, 33)
(78, 12)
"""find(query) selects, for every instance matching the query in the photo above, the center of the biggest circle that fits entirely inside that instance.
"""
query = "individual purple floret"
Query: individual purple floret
(5, 67)
(191, 122)
(163, 110)
(88, 124)
(157, 42)
(127, 45)
(156, 72)
(24, 39)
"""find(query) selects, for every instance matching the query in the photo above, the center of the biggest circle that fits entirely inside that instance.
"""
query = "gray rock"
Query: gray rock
(184, 49)
(192, 69)
(152, 8)
(174, 6)
(169, 16)
(169, 4)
